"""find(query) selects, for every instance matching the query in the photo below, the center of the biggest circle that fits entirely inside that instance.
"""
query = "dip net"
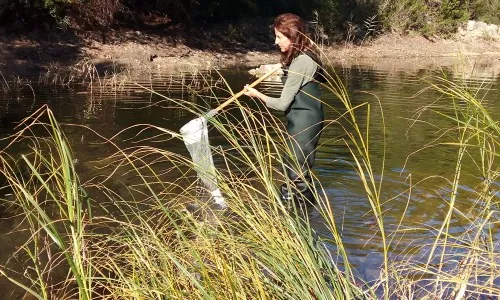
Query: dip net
(195, 136)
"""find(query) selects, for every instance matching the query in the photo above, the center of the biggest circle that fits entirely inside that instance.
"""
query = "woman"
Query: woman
(300, 100)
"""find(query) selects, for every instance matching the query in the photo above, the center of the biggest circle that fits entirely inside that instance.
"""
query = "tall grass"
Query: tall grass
(142, 228)
(357, 139)
(141, 242)
(459, 264)
(53, 184)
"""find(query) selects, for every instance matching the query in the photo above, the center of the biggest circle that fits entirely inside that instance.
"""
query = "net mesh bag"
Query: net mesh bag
(195, 136)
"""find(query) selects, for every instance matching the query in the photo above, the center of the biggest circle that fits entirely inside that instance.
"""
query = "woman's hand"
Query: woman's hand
(250, 91)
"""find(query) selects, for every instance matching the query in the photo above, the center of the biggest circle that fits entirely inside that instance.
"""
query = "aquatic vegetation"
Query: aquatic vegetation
(465, 262)
(141, 242)
(158, 235)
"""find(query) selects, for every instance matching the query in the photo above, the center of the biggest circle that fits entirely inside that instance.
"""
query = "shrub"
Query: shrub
(32, 11)
(486, 11)
(428, 17)
(96, 14)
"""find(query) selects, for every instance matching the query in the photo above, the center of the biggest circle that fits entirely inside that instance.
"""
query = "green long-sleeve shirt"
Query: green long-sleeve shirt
(300, 72)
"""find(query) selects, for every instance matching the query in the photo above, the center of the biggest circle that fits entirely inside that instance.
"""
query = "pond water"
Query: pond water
(398, 94)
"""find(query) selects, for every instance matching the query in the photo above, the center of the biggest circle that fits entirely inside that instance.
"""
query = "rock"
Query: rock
(491, 30)
(479, 26)
(479, 30)
(470, 25)
(263, 69)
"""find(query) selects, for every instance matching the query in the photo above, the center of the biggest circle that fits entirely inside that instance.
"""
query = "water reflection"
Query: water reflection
(395, 97)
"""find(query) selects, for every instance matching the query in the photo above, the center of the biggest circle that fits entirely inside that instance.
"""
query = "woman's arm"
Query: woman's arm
(301, 71)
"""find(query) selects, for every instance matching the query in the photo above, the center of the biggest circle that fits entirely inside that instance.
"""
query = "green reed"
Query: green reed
(160, 237)
(141, 241)
(53, 183)
(467, 261)
(357, 139)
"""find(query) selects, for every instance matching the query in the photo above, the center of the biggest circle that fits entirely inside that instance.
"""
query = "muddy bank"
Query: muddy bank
(387, 53)
(132, 51)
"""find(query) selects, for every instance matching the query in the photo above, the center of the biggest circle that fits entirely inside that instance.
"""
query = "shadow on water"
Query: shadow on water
(34, 52)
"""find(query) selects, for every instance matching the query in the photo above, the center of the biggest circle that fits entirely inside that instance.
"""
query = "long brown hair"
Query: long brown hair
(294, 29)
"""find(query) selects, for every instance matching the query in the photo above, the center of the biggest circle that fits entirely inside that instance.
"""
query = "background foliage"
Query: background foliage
(337, 18)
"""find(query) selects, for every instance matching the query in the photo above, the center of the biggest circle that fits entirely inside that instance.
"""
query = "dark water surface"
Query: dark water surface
(397, 94)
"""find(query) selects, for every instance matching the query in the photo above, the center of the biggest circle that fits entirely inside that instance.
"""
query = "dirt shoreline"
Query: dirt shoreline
(139, 52)
(386, 53)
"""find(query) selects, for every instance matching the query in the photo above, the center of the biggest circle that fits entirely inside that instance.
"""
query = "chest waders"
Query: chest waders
(305, 122)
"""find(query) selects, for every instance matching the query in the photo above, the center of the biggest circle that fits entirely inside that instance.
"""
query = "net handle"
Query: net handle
(240, 93)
